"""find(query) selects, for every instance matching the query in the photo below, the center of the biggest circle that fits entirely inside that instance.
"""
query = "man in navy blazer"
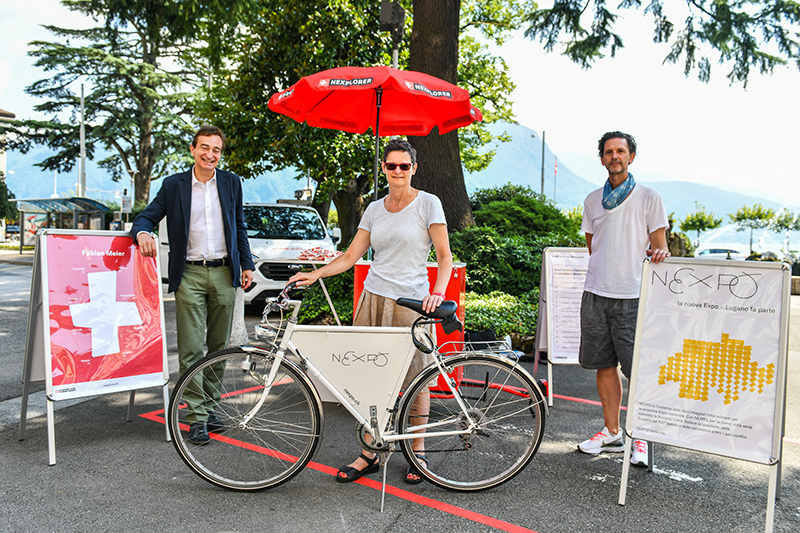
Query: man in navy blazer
(209, 256)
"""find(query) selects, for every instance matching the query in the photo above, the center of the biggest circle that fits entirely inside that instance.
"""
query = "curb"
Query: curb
(26, 260)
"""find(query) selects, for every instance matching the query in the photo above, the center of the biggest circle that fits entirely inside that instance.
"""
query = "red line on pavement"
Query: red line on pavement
(581, 400)
(157, 416)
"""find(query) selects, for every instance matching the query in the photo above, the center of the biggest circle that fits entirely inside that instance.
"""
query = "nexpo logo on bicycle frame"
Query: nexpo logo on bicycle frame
(379, 359)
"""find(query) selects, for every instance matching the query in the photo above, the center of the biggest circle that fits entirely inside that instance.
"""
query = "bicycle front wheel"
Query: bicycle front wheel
(500, 397)
(255, 441)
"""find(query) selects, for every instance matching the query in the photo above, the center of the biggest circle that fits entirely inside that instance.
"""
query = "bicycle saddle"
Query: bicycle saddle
(446, 312)
(447, 308)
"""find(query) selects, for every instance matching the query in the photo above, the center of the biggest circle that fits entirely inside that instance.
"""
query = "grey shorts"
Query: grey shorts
(608, 330)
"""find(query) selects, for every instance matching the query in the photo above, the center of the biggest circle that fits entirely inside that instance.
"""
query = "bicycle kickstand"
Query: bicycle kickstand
(385, 460)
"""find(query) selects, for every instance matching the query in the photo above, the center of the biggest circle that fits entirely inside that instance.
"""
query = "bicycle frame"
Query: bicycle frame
(364, 404)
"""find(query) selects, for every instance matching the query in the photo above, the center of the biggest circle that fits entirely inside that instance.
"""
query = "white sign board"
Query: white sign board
(563, 277)
(367, 368)
(710, 356)
(558, 325)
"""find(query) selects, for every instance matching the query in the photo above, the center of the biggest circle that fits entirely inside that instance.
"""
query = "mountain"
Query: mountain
(26, 180)
(518, 161)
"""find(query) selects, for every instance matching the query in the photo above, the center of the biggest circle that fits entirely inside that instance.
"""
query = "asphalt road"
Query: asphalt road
(113, 475)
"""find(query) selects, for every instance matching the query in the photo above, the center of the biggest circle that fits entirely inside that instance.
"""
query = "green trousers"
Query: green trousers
(204, 305)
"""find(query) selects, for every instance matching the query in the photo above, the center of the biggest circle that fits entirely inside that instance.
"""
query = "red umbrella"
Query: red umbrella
(390, 101)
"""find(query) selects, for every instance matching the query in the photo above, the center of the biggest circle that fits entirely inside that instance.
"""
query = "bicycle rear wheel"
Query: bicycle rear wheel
(500, 397)
(270, 448)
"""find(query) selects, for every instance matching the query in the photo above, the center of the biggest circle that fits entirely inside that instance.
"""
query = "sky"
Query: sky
(686, 130)
(714, 133)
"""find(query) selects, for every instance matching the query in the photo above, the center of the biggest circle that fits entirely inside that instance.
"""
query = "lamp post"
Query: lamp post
(82, 165)
(392, 18)
(542, 163)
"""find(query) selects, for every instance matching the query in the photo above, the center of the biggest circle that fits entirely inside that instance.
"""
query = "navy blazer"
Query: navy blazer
(174, 200)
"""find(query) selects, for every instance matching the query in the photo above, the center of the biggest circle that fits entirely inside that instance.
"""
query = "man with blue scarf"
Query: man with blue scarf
(624, 223)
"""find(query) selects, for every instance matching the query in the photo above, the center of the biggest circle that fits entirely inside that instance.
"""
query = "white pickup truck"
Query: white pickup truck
(278, 234)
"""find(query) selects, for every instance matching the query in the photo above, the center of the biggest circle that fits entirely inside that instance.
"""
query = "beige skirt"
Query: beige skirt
(374, 310)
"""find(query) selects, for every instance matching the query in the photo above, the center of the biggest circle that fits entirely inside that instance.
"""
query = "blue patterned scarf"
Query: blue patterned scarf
(613, 197)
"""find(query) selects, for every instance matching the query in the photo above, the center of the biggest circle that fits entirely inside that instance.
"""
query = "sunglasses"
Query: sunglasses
(403, 166)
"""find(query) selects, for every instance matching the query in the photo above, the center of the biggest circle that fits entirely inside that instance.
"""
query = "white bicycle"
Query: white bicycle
(484, 425)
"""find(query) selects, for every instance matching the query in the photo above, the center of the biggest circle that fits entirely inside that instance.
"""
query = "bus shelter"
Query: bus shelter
(58, 213)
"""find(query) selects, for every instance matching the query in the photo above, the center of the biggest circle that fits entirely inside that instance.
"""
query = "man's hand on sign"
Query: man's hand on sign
(147, 244)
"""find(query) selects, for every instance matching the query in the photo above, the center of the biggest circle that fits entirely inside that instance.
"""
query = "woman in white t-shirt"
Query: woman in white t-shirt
(400, 228)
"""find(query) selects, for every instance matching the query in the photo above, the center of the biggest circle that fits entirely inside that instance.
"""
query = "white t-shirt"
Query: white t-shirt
(620, 238)
(401, 243)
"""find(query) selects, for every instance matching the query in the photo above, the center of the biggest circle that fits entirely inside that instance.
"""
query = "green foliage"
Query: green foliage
(758, 34)
(315, 308)
(333, 219)
(700, 221)
(510, 264)
(752, 218)
(678, 244)
(575, 214)
(8, 209)
(784, 220)
(280, 43)
(504, 251)
(795, 262)
(518, 210)
(285, 40)
(526, 216)
(504, 313)
(502, 193)
(140, 64)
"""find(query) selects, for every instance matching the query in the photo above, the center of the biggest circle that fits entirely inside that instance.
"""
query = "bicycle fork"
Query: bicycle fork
(249, 366)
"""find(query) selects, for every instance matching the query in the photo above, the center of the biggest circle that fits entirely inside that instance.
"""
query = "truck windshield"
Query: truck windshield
(282, 222)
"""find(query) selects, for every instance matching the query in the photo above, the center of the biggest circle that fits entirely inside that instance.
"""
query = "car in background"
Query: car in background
(722, 251)
(279, 235)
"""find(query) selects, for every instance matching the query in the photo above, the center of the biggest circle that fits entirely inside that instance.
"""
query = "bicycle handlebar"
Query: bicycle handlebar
(284, 294)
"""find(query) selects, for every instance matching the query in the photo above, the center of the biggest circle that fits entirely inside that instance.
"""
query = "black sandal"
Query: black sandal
(414, 471)
(351, 473)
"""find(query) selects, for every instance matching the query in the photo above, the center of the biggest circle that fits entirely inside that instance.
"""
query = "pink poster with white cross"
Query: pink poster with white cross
(106, 327)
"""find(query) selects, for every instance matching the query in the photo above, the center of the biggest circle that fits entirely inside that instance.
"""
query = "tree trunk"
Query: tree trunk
(434, 51)
(349, 202)
(147, 154)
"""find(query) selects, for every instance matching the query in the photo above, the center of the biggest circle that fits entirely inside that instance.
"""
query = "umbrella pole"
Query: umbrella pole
(378, 94)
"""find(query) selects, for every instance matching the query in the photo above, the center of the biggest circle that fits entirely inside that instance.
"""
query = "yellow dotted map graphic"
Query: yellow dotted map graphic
(724, 365)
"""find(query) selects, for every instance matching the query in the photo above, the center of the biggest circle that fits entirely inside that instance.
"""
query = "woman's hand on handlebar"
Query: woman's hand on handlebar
(305, 278)
(431, 302)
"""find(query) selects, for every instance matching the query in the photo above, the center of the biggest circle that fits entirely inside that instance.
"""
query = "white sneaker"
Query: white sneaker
(639, 455)
(603, 442)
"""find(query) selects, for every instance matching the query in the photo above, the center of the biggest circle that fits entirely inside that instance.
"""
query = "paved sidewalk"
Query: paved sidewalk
(114, 475)
(15, 258)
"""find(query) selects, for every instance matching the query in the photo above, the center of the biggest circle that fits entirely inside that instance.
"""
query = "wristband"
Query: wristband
(438, 294)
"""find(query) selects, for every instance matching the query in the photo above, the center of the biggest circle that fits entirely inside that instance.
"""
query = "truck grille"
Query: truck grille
(278, 271)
